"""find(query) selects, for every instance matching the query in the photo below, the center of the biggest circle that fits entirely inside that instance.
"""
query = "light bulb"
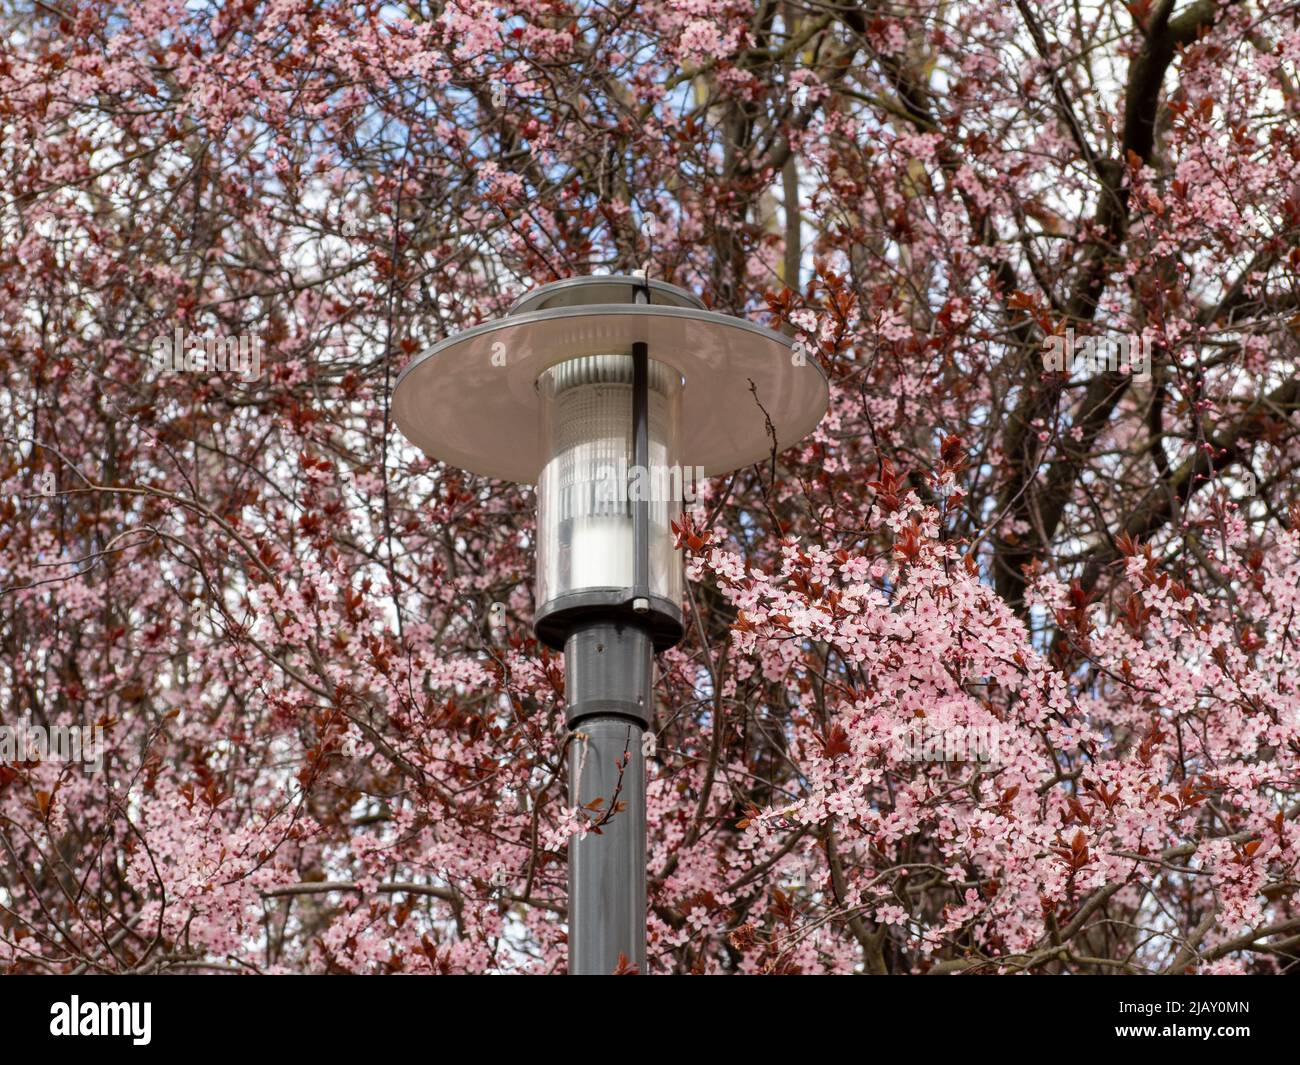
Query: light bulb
(585, 504)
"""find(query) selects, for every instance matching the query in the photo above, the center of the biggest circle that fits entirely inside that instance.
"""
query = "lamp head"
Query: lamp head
(544, 396)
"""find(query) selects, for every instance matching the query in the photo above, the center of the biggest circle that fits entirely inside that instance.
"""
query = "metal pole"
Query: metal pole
(608, 689)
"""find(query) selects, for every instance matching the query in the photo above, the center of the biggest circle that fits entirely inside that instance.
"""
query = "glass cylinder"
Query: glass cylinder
(589, 484)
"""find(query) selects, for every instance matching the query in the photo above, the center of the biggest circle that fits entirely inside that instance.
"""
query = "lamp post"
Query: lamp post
(604, 391)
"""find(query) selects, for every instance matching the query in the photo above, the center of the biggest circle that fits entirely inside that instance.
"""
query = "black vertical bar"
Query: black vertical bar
(641, 461)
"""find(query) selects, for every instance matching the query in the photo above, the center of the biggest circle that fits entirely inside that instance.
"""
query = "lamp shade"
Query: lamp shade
(473, 399)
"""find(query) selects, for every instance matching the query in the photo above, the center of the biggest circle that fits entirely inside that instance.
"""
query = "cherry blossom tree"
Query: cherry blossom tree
(320, 755)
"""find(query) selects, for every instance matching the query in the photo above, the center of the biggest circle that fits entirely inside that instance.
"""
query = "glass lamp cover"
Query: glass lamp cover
(587, 488)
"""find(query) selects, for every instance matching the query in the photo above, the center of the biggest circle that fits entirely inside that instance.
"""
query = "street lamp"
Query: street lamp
(606, 392)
